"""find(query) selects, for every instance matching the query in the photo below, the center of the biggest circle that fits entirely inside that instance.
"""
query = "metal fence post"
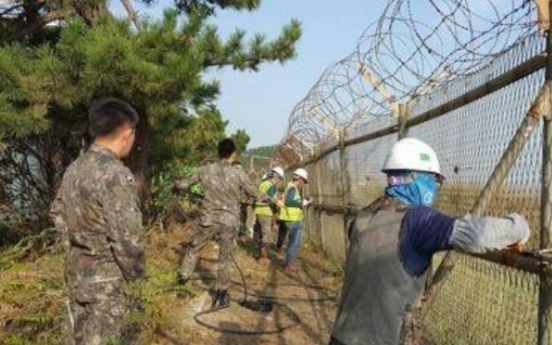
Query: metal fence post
(319, 201)
(404, 110)
(545, 283)
(345, 184)
(251, 163)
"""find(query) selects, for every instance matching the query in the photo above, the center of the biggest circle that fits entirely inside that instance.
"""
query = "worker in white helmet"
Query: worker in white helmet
(291, 214)
(393, 240)
(265, 210)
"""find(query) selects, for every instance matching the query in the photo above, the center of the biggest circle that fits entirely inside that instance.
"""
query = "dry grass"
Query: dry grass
(32, 302)
(481, 304)
(32, 297)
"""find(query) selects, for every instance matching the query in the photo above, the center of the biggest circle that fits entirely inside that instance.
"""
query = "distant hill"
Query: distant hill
(264, 151)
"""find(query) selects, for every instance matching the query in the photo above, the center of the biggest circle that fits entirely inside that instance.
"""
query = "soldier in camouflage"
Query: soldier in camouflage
(97, 212)
(244, 205)
(219, 219)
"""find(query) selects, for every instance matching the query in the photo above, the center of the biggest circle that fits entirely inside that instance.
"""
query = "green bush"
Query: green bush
(164, 200)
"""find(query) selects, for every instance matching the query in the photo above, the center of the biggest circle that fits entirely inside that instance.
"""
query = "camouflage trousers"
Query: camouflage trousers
(98, 319)
(226, 238)
(263, 231)
(243, 219)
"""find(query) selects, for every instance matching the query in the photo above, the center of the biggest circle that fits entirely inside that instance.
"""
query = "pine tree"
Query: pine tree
(49, 74)
(242, 139)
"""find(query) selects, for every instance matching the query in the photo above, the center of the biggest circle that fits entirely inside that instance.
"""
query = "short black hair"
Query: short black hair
(226, 147)
(109, 114)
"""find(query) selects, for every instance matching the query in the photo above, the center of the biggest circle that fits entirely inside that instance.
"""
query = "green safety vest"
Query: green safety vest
(292, 214)
(263, 208)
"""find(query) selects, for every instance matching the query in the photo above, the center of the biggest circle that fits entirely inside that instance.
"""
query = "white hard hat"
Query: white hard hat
(302, 173)
(412, 154)
(278, 171)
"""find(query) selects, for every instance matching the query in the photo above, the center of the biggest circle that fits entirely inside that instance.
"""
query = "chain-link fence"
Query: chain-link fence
(477, 123)
(255, 166)
(482, 303)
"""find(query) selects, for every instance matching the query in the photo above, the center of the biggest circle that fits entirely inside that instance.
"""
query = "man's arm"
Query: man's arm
(57, 218)
(271, 194)
(432, 231)
(290, 198)
(247, 185)
(184, 184)
(426, 231)
(480, 235)
(124, 222)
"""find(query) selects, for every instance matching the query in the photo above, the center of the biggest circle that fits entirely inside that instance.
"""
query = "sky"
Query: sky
(261, 102)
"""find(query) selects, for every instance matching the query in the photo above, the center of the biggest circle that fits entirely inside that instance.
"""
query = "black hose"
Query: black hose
(242, 289)
(292, 314)
(259, 307)
(295, 299)
(244, 303)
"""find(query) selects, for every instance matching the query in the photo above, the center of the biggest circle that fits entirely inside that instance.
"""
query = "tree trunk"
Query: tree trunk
(132, 15)
(138, 161)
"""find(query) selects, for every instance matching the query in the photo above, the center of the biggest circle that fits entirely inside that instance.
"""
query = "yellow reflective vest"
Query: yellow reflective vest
(292, 213)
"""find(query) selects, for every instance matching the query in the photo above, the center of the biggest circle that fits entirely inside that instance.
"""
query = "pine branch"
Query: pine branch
(233, 54)
(210, 6)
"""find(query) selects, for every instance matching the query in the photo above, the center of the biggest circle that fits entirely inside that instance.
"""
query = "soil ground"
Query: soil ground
(311, 294)
(33, 296)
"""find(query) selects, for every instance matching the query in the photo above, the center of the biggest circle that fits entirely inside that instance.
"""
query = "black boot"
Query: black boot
(221, 300)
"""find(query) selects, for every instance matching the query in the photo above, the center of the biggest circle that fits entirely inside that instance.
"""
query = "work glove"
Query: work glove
(518, 246)
(523, 227)
(307, 202)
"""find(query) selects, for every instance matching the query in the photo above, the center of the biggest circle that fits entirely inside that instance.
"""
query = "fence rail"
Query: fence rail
(491, 129)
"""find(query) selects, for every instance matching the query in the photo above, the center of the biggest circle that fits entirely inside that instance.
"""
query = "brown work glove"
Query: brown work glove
(515, 247)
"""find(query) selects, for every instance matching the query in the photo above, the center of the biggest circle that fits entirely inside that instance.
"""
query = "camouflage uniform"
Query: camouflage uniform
(219, 215)
(245, 203)
(97, 212)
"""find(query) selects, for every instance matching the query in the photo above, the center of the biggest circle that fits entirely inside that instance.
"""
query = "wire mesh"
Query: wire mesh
(471, 140)
(414, 48)
(483, 303)
(420, 56)
(255, 166)
(364, 162)
(423, 54)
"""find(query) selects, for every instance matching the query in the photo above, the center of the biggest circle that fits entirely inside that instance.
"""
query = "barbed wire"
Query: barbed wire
(414, 47)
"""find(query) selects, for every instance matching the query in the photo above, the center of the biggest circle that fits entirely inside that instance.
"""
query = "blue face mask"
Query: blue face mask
(418, 191)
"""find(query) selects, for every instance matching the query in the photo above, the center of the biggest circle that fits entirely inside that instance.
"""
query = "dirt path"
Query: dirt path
(310, 294)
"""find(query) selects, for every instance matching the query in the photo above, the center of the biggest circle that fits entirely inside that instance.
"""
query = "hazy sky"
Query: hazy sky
(261, 102)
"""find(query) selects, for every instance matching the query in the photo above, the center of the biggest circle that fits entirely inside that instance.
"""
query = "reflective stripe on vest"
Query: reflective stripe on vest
(262, 208)
(292, 214)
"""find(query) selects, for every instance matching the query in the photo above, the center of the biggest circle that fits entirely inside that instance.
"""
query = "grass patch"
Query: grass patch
(33, 295)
